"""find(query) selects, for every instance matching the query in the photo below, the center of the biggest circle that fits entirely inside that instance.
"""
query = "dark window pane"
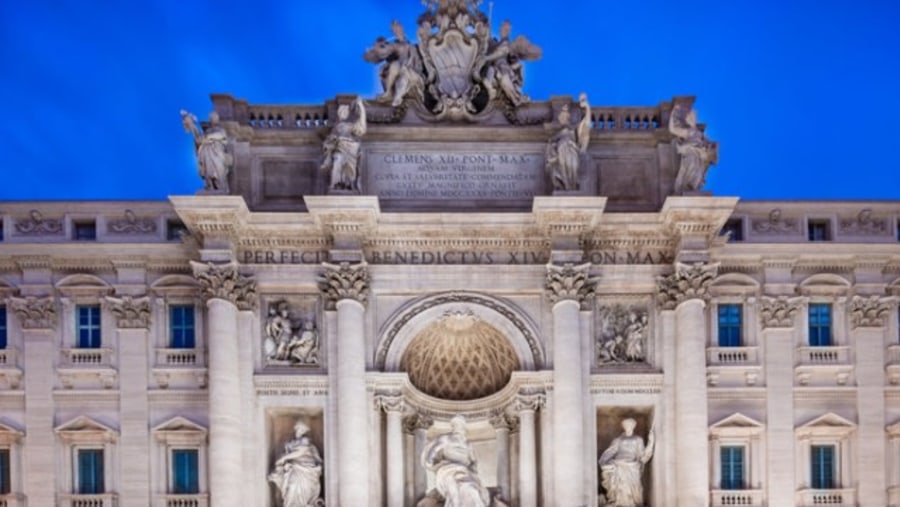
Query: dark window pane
(88, 329)
(823, 466)
(181, 327)
(5, 486)
(730, 325)
(85, 231)
(185, 472)
(819, 325)
(3, 331)
(732, 458)
(90, 471)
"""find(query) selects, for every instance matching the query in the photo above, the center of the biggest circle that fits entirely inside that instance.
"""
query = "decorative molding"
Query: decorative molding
(778, 312)
(775, 223)
(391, 402)
(864, 224)
(130, 312)
(34, 312)
(689, 281)
(869, 311)
(224, 281)
(503, 421)
(569, 283)
(529, 401)
(345, 281)
(37, 225)
(418, 421)
(131, 224)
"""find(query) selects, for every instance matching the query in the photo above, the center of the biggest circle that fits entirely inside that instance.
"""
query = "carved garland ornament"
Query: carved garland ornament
(345, 281)
(35, 313)
(223, 281)
(689, 281)
(130, 312)
(569, 282)
(869, 311)
(778, 311)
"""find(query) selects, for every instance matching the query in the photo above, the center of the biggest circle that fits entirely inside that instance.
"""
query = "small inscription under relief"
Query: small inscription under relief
(449, 176)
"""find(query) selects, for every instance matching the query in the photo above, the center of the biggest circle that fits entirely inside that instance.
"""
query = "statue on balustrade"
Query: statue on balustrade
(697, 152)
(453, 462)
(622, 466)
(298, 470)
(212, 145)
(341, 148)
(568, 144)
(501, 66)
(402, 70)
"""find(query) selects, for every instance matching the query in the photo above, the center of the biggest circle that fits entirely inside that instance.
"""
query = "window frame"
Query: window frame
(172, 328)
(737, 430)
(4, 328)
(738, 327)
(85, 433)
(173, 474)
(816, 480)
(77, 453)
(826, 225)
(179, 433)
(93, 325)
(11, 443)
(728, 485)
(829, 429)
(829, 326)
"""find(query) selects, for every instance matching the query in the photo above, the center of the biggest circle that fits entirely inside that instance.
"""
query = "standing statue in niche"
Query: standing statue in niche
(697, 152)
(212, 146)
(453, 462)
(622, 466)
(298, 470)
(401, 72)
(341, 148)
(565, 148)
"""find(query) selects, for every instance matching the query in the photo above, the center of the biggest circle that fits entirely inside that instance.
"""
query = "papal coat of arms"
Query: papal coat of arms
(457, 71)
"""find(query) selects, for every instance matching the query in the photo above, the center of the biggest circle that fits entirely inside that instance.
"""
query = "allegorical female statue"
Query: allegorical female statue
(298, 470)
(622, 466)
(342, 147)
(564, 149)
(452, 460)
(211, 144)
(697, 152)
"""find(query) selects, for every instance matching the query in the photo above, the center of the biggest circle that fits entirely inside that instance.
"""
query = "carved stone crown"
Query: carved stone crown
(223, 281)
(345, 281)
(689, 281)
(131, 313)
(778, 311)
(569, 282)
(869, 311)
(35, 313)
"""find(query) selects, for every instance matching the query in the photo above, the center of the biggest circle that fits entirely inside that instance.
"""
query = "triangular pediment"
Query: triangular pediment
(179, 424)
(10, 434)
(84, 424)
(894, 429)
(736, 424)
(827, 424)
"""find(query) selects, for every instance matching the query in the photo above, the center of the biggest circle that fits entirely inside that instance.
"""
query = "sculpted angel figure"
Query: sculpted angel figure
(697, 152)
(501, 66)
(564, 149)
(298, 470)
(341, 147)
(622, 465)
(278, 331)
(401, 73)
(212, 146)
(453, 462)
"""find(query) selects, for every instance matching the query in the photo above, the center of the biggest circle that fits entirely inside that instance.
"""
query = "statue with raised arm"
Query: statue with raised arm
(341, 147)
(500, 69)
(565, 148)
(453, 462)
(298, 470)
(212, 147)
(697, 152)
(622, 467)
(401, 72)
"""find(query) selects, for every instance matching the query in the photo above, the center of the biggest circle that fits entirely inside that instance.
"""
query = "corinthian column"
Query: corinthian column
(225, 291)
(502, 425)
(133, 323)
(525, 406)
(346, 288)
(568, 288)
(686, 292)
(776, 317)
(393, 407)
(37, 317)
(868, 319)
(418, 425)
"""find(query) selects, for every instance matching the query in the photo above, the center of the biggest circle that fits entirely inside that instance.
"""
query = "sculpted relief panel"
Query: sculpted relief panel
(622, 334)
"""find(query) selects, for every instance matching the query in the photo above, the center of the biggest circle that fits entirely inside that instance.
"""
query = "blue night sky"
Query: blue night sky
(802, 95)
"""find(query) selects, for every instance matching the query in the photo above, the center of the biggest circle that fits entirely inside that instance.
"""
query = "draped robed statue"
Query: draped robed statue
(298, 470)
(622, 467)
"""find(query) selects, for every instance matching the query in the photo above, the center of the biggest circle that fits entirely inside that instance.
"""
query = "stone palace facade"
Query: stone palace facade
(452, 295)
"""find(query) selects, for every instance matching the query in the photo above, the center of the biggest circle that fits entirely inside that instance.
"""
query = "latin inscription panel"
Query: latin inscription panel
(454, 175)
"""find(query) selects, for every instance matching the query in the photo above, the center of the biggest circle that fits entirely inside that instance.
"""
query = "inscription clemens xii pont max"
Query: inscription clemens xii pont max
(469, 175)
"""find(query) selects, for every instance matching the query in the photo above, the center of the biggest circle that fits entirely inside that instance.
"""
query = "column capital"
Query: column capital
(130, 312)
(689, 281)
(391, 402)
(870, 311)
(224, 281)
(569, 283)
(528, 402)
(418, 421)
(34, 312)
(778, 312)
(344, 281)
(502, 421)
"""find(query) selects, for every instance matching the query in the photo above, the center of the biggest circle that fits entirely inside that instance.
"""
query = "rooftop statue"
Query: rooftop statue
(456, 71)
(565, 147)
(212, 146)
(341, 148)
(697, 152)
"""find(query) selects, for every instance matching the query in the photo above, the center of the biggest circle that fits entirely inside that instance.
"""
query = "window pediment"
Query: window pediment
(180, 430)
(824, 284)
(828, 425)
(175, 286)
(83, 284)
(10, 435)
(734, 284)
(86, 429)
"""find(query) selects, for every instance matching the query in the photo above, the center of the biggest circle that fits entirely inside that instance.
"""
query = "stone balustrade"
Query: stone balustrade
(7, 358)
(724, 356)
(832, 497)
(625, 119)
(197, 500)
(86, 357)
(174, 358)
(823, 355)
(76, 500)
(741, 497)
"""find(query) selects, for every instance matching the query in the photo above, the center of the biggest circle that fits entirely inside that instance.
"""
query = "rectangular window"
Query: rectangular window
(181, 326)
(823, 466)
(175, 229)
(730, 325)
(819, 230)
(732, 458)
(85, 231)
(88, 327)
(734, 229)
(185, 472)
(90, 472)
(3, 331)
(5, 475)
(819, 325)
